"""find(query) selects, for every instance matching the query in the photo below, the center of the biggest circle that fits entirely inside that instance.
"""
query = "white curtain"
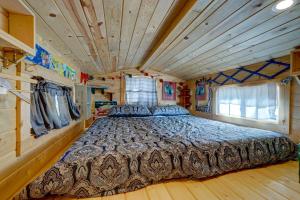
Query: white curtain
(141, 90)
(254, 102)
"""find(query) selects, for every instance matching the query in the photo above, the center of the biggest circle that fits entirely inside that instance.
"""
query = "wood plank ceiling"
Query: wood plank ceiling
(106, 35)
(179, 37)
(228, 34)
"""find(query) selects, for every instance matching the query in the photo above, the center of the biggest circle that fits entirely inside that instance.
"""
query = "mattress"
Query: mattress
(122, 154)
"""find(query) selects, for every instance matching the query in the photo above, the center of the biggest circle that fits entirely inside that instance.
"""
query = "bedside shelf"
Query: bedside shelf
(185, 96)
(17, 27)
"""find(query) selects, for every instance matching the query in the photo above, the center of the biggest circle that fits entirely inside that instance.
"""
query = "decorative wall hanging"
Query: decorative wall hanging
(169, 90)
(200, 91)
(84, 77)
(285, 67)
(43, 58)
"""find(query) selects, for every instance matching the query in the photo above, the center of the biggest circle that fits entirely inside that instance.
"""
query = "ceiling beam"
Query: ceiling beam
(183, 9)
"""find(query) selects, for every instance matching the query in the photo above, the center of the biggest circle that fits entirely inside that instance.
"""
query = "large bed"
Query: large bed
(121, 154)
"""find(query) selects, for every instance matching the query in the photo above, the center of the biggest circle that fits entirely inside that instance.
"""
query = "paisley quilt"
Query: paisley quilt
(122, 154)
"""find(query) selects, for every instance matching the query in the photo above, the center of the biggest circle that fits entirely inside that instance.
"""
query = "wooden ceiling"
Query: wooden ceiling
(185, 38)
(106, 35)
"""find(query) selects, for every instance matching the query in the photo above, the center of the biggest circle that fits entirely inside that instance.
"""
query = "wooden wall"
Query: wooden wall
(288, 124)
(295, 112)
(117, 86)
(23, 157)
(8, 121)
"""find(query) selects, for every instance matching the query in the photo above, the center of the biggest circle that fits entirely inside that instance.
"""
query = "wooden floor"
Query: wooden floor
(273, 182)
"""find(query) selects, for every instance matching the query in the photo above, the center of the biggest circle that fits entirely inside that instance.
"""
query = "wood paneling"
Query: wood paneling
(8, 119)
(3, 19)
(278, 182)
(227, 35)
(117, 86)
(104, 35)
(182, 38)
(35, 162)
(295, 62)
(295, 111)
(7, 142)
(23, 28)
(17, 26)
(22, 156)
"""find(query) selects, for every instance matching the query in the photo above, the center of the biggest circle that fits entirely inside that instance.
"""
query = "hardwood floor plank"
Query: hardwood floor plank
(178, 191)
(287, 171)
(242, 190)
(137, 195)
(158, 192)
(114, 197)
(255, 185)
(274, 185)
(220, 190)
(200, 191)
(280, 178)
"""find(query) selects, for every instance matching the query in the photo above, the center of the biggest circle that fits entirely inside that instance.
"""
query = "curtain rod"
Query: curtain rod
(51, 81)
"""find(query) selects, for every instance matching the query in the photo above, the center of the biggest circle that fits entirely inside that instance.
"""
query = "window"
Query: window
(259, 102)
(141, 90)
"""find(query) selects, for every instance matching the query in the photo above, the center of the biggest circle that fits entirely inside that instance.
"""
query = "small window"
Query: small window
(141, 90)
(260, 102)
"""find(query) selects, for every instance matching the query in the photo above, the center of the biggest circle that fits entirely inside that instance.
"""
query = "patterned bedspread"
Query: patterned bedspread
(123, 154)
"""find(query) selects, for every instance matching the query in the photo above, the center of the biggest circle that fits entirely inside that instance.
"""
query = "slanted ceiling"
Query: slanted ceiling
(105, 35)
(184, 38)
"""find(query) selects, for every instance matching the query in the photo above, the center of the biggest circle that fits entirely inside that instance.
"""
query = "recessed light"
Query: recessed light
(283, 5)
(52, 15)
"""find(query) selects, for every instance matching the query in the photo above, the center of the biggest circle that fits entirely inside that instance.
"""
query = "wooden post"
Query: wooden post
(18, 112)
(122, 89)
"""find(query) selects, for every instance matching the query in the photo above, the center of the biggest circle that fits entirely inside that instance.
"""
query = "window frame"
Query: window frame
(279, 119)
(139, 76)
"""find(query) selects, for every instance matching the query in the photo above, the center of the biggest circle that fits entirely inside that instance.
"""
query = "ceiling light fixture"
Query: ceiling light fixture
(52, 15)
(283, 5)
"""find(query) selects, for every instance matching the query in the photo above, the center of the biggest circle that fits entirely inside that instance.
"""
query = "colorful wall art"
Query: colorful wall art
(169, 90)
(200, 91)
(43, 58)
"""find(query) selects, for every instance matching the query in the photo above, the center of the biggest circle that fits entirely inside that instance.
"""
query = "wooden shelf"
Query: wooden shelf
(185, 96)
(17, 78)
(17, 27)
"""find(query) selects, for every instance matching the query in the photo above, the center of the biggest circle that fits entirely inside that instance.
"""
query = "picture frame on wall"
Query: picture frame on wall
(200, 91)
(169, 91)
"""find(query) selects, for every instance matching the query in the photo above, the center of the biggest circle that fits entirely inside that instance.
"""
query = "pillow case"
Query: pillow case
(129, 111)
(169, 110)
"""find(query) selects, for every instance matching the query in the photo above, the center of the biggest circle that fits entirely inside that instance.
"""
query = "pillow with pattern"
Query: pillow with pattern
(169, 110)
(129, 111)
